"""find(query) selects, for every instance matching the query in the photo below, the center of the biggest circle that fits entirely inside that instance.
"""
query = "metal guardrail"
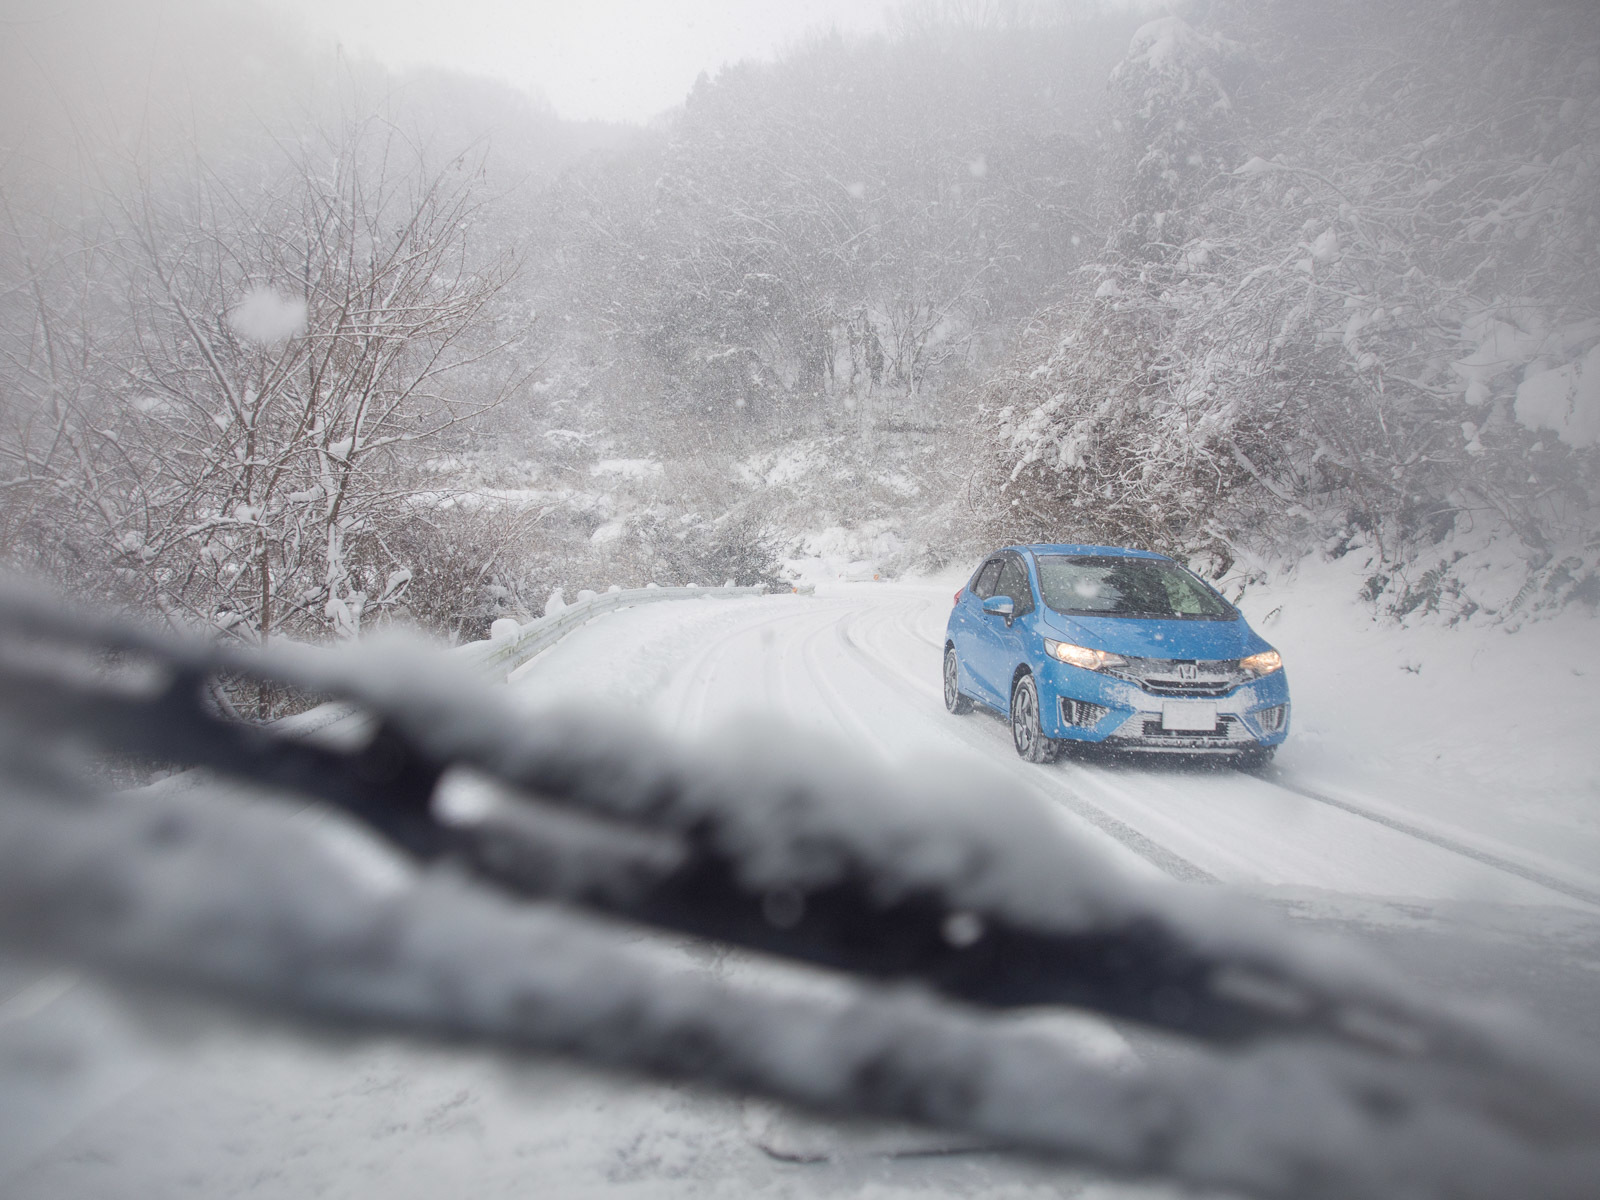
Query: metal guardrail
(1305, 1071)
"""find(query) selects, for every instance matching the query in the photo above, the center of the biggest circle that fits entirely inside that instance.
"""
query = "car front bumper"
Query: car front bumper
(1086, 706)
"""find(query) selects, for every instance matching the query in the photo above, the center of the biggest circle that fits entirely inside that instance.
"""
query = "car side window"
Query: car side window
(984, 586)
(1014, 584)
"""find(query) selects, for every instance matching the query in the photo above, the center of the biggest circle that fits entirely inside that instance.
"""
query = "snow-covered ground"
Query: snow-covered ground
(1437, 799)
(1474, 736)
(1472, 732)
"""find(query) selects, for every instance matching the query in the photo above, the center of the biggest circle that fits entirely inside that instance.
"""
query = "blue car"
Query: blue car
(1121, 648)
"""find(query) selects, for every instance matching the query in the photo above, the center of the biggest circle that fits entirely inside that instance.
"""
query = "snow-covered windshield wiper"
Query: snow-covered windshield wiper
(1306, 1069)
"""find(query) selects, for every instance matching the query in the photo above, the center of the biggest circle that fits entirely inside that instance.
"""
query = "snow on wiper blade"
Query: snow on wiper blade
(761, 841)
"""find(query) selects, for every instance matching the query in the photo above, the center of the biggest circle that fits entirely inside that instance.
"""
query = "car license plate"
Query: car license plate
(1189, 716)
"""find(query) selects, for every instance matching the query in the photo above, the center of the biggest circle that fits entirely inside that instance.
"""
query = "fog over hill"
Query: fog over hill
(292, 343)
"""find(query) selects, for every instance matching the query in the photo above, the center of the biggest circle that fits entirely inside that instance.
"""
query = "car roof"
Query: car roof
(1105, 551)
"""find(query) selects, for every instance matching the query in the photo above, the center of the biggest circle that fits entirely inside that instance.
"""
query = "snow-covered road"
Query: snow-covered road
(860, 662)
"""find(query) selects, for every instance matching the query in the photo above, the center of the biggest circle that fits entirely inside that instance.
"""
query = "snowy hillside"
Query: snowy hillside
(332, 339)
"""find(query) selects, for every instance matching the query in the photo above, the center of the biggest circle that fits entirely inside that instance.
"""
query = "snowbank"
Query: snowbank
(873, 550)
(1472, 727)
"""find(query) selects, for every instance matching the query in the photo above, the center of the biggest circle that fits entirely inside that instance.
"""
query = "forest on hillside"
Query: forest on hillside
(1240, 281)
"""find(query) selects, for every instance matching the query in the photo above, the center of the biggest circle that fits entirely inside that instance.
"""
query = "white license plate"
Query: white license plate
(1189, 716)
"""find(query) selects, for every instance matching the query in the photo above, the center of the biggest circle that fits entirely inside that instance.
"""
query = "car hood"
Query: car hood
(1153, 637)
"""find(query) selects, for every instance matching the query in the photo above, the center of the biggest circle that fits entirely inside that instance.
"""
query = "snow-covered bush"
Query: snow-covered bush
(474, 566)
(1348, 290)
(693, 548)
(241, 377)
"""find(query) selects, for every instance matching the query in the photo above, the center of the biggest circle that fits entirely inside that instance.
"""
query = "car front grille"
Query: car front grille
(1184, 677)
(1184, 687)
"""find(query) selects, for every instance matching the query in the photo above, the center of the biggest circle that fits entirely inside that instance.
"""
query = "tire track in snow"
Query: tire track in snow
(1499, 863)
(908, 622)
(903, 680)
(796, 649)
(1050, 785)
(830, 694)
(1172, 823)
(1153, 851)
(690, 697)
(696, 669)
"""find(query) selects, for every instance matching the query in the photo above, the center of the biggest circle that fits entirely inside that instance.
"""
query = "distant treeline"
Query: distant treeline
(294, 344)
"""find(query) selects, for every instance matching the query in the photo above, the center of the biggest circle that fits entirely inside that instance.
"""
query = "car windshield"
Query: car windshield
(1114, 586)
(497, 506)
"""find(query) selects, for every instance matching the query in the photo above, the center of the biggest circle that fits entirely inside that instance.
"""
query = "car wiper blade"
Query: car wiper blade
(849, 869)
(888, 877)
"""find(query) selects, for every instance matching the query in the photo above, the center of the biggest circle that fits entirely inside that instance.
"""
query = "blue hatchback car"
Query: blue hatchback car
(1124, 648)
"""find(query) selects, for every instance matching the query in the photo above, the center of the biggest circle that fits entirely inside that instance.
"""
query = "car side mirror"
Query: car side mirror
(1000, 606)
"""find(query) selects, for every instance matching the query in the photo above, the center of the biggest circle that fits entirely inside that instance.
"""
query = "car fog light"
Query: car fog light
(1271, 719)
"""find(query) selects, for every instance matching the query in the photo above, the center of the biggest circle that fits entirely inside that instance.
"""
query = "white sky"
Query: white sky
(618, 60)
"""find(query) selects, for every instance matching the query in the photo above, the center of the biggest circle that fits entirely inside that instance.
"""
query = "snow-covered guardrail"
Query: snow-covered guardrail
(498, 658)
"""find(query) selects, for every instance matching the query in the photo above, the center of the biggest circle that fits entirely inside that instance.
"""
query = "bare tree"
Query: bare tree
(221, 403)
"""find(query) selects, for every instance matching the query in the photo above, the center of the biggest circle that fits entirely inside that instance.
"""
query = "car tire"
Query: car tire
(1026, 735)
(953, 699)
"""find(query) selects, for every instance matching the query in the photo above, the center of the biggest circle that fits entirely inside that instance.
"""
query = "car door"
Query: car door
(974, 642)
(1009, 639)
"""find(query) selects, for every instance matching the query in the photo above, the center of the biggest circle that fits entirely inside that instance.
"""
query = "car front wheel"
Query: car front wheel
(953, 699)
(1026, 735)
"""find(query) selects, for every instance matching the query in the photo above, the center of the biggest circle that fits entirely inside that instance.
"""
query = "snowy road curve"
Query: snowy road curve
(861, 663)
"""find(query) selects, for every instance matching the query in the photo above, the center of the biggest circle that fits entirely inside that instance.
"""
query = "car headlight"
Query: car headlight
(1082, 656)
(1261, 664)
